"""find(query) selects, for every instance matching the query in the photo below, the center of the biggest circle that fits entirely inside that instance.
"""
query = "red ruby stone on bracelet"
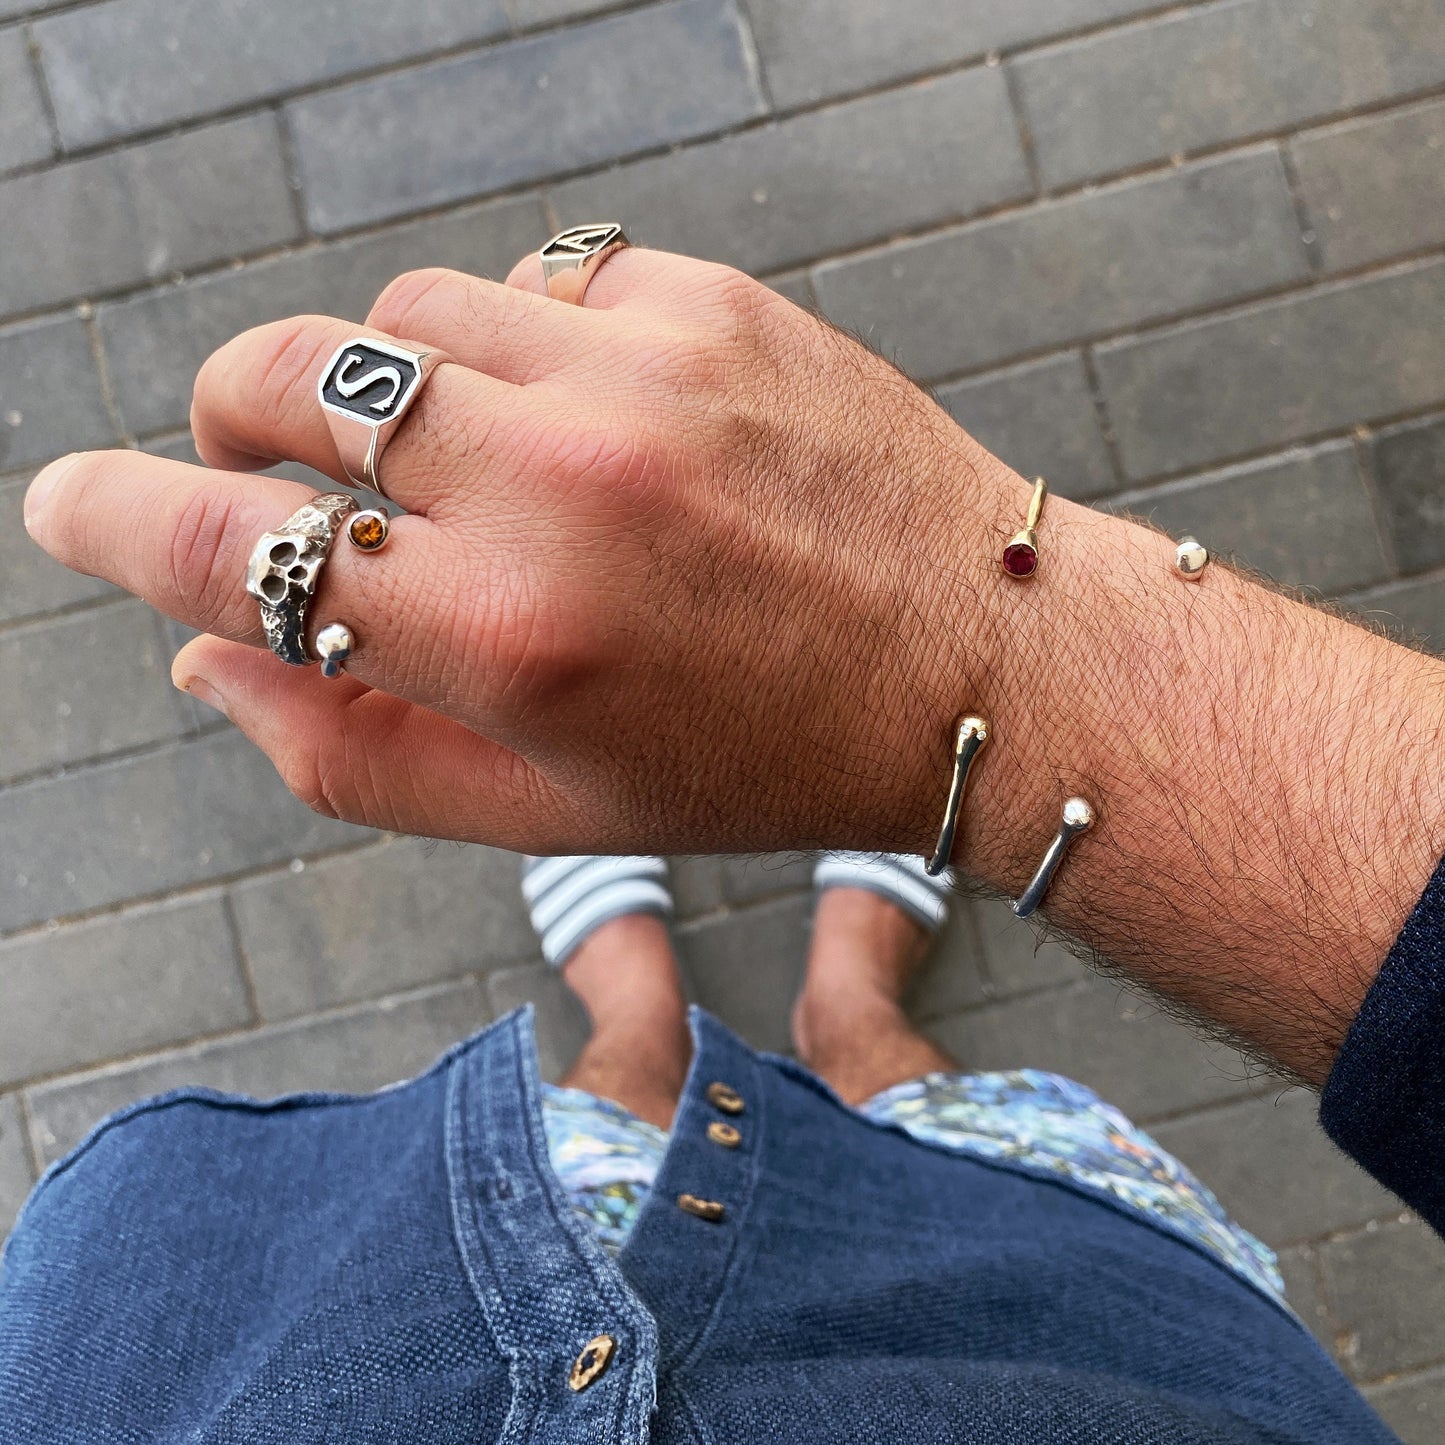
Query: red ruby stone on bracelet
(1020, 559)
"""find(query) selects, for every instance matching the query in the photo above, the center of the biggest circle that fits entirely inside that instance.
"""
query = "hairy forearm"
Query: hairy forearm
(1267, 775)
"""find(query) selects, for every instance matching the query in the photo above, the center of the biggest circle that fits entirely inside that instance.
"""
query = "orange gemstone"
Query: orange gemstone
(368, 531)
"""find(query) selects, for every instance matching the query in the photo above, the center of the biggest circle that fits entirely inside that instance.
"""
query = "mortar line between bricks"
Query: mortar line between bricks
(86, 313)
(1368, 594)
(175, 893)
(1102, 416)
(128, 754)
(1232, 306)
(537, 185)
(40, 620)
(42, 87)
(291, 166)
(1375, 497)
(1309, 236)
(33, 1157)
(1338, 1331)
(753, 56)
(122, 1063)
(1021, 125)
(243, 963)
(1162, 483)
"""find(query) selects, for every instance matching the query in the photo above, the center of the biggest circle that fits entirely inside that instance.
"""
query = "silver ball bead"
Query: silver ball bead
(1190, 558)
(1078, 814)
(334, 644)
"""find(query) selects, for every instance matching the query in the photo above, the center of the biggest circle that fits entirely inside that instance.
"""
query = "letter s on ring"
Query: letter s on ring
(349, 388)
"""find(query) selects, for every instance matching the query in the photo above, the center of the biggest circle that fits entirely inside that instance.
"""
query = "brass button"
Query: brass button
(724, 1134)
(595, 1357)
(725, 1097)
(708, 1209)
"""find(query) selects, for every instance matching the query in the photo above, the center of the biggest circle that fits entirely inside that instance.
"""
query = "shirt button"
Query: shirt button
(593, 1361)
(725, 1097)
(724, 1134)
(708, 1209)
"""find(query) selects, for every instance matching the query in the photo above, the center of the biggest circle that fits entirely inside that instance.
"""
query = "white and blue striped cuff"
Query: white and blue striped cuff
(898, 877)
(570, 898)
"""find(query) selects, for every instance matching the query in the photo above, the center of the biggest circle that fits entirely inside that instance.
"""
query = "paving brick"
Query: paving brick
(1039, 418)
(144, 212)
(826, 181)
(1408, 463)
(1375, 187)
(1273, 1168)
(50, 394)
(954, 975)
(165, 335)
(747, 967)
(16, 1179)
(118, 985)
(183, 61)
(1303, 519)
(815, 48)
(406, 913)
(30, 580)
(561, 1021)
(1386, 1286)
(625, 84)
(199, 810)
(1065, 270)
(752, 877)
(1413, 1407)
(1096, 1032)
(85, 685)
(797, 286)
(1264, 376)
(24, 129)
(1300, 1268)
(1203, 76)
(355, 1050)
(697, 885)
(1414, 610)
(1018, 957)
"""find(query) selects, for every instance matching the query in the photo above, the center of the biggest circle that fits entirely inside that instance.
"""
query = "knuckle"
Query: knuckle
(403, 296)
(204, 545)
(274, 367)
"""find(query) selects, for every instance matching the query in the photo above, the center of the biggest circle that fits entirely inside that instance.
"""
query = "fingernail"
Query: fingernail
(202, 691)
(42, 488)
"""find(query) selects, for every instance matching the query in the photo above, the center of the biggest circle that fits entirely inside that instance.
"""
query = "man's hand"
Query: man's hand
(659, 588)
(686, 570)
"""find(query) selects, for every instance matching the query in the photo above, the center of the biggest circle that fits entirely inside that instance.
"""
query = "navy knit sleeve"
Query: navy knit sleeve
(1384, 1102)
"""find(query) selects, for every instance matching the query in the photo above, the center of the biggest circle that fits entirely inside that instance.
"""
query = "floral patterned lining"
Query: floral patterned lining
(607, 1158)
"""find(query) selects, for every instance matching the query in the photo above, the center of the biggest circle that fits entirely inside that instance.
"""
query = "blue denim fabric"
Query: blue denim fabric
(405, 1268)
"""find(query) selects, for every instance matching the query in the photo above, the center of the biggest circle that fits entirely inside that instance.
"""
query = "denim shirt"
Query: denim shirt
(404, 1267)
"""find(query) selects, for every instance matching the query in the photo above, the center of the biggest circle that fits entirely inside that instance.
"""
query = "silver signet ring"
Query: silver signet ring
(366, 390)
(572, 258)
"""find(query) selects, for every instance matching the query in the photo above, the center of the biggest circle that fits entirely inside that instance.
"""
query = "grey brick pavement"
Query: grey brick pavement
(1188, 259)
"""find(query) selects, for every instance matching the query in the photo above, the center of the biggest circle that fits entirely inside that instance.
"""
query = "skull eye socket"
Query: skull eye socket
(297, 574)
(273, 587)
(283, 553)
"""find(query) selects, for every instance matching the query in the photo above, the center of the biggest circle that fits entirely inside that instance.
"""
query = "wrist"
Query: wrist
(1264, 774)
